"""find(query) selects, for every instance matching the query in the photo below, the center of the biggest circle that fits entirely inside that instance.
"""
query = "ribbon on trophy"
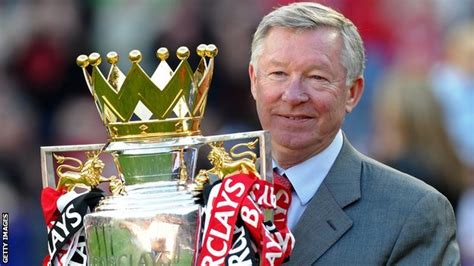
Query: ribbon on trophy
(65, 207)
(66, 240)
(234, 230)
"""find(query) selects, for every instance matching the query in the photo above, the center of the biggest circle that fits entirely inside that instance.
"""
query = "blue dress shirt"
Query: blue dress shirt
(307, 176)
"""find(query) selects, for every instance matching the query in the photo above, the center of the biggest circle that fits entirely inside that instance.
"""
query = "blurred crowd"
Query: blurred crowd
(417, 112)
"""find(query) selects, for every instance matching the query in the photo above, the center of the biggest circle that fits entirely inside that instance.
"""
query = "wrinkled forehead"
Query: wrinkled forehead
(289, 38)
(289, 46)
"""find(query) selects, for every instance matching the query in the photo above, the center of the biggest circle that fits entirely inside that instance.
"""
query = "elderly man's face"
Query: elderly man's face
(300, 91)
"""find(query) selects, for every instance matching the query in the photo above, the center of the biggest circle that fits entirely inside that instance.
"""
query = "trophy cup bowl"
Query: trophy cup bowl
(155, 222)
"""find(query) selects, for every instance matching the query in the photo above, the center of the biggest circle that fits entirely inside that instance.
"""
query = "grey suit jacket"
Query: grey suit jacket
(366, 213)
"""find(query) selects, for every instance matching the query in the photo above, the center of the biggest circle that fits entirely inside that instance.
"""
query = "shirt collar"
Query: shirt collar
(306, 177)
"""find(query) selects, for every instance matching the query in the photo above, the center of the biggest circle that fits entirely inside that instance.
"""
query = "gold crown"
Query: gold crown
(135, 106)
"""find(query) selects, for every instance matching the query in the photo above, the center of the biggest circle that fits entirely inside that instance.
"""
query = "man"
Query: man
(347, 209)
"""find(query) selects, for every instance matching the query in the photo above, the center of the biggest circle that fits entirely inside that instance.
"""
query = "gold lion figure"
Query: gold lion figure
(225, 164)
(87, 175)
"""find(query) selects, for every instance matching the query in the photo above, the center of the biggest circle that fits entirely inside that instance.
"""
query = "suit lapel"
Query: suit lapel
(324, 220)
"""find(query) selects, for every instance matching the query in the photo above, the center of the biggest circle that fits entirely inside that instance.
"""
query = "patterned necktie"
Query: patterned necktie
(282, 180)
(283, 189)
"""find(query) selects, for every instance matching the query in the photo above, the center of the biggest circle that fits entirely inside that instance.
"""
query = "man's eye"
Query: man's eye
(318, 77)
(277, 75)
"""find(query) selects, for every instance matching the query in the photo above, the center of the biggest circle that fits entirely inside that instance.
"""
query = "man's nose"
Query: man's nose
(295, 93)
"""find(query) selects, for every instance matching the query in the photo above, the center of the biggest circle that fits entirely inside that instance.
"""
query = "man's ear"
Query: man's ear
(253, 81)
(355, 94)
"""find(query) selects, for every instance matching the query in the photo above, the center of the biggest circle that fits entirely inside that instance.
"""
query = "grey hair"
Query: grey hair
(311, 16)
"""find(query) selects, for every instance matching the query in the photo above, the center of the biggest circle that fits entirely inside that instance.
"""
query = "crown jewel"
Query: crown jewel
(137, 106)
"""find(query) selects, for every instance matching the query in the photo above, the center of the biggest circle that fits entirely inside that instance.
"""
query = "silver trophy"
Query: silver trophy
(151, 214)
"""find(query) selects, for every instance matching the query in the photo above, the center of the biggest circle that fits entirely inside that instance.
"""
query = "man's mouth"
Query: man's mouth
(296, 117)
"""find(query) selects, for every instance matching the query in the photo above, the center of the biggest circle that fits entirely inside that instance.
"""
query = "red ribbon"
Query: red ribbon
(245, 195)
(217, 240)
